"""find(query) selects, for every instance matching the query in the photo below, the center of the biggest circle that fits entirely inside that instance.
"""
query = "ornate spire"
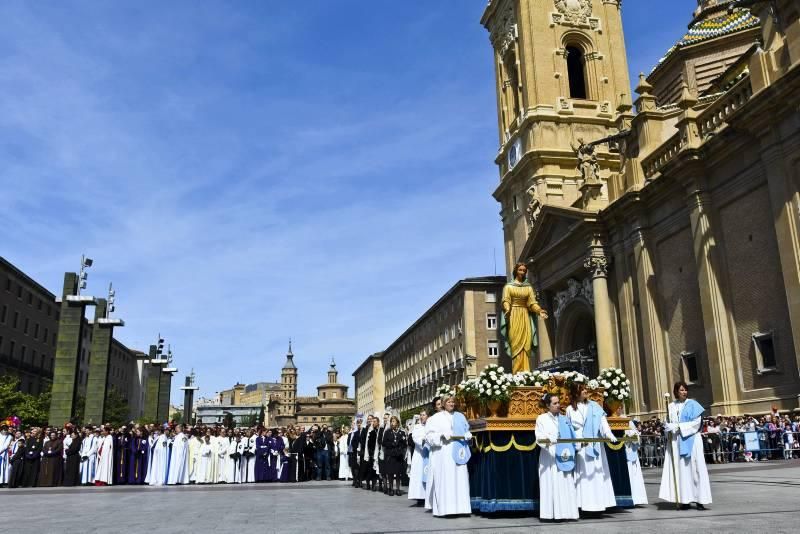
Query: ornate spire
(289, 358)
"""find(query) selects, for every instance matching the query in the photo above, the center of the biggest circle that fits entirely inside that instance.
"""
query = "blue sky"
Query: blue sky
(253, 170)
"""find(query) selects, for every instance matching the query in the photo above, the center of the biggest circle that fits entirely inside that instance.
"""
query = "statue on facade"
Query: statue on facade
(517, 326)
(587, 161)
(534, 205)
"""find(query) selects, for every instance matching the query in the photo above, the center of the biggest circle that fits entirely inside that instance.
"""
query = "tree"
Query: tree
(341, 421)
(33, 410)
(116, 412)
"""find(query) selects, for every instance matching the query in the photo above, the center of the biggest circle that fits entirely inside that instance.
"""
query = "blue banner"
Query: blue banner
(751, 442)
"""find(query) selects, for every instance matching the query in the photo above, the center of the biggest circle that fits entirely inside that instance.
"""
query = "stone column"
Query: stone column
(152, 387)
(188, 398)
(598, 264)
(68, 350)
(164, 390)
(718, 323)
(97, 382)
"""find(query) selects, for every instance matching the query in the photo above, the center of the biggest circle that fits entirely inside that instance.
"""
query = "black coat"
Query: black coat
(394, 452)
(17, 467)
(72, 476)
(31, 461)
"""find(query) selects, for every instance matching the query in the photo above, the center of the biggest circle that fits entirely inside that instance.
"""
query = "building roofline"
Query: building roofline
(482, 281)
(373, 356)
(18, 272)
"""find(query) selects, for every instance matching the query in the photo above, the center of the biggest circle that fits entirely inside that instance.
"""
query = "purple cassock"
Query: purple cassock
(137, 460)
(262, 458)
(272, 460)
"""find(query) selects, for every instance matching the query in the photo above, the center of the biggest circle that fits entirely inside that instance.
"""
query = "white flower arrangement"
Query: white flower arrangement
(494, 384)
(616, 384)
(445, 391)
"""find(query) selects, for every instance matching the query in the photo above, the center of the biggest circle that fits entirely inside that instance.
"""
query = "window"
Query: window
(764, 343)
(493, 349)
(491, 321)
(11, 349)
(8, 284)
(4, 314)
(39, 305)
(323, 394)
(42, 361)
(690, 370)
(30, 299)
(22, 350)
(1, 344)
(19, 292)
(576, 73)
(44, 338)
(491, 296)
(36, 331)
(25, 328)
(16, 319)
(514, 204)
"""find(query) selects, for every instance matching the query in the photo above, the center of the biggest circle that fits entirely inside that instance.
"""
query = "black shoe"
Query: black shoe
(701, 507)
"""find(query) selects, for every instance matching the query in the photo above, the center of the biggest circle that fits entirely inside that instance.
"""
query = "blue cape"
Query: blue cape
(565, 452)
(461, 452)
(591, 427)
(691, 411)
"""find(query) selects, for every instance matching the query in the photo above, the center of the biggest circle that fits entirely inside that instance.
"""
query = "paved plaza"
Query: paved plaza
(747, 498)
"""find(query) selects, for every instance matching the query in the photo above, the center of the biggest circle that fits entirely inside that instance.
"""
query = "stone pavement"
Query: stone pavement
(748, 498)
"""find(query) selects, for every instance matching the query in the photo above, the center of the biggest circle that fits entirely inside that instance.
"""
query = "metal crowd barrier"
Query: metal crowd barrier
(729, 447)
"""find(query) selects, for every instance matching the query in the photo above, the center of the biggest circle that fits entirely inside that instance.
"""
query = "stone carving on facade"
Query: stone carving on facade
(534, 206)
(574, 13)
(597, 265)
(505, 32)
(587, 161)
(575, 290)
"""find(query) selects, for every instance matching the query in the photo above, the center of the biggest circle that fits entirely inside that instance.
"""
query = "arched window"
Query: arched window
(576, 72)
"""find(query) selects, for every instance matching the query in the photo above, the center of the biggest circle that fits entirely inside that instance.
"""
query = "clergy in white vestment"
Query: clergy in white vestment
(202, 468)
(344, 467)
(179, 459)
(635, 475)
(104, 472)
(685, 452)
(159, 459)
(420, 458)
(223, 458)
(558, 495)
(194, 453)
(5, 460)
(592, 473)
(88, 453)
(447, 490)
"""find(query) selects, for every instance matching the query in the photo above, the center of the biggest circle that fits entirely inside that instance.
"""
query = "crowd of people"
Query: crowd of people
(169, 455)
(777, 435)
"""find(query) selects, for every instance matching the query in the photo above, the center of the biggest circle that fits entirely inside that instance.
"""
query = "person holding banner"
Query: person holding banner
(685, 477)
(593, 475)
(447, 489)
(558, 495)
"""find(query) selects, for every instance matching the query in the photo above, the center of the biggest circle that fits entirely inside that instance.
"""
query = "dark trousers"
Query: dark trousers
(323, 465)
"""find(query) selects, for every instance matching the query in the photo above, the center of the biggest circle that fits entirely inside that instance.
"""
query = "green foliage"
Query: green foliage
(33, 410)
(249, 420)
(341, 421)
(116, 411)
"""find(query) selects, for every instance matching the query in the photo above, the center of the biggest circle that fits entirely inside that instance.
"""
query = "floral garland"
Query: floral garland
(493, 384)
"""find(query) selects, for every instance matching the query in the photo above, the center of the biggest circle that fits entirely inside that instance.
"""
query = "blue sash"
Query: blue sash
(565, 452)
(632, 452)
(426, 463)
(591, 427)
(691, 411)
(461, 452)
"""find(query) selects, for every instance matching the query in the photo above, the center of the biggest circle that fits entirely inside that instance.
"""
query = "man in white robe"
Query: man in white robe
(247, 449)
(223, 459)
(88, 453)
(159, 456)
(685, 447)
(104, 472)
(202, 468)
(233, 472)
(447, 491)
(5, 458)
(179, 459)
(194, 453)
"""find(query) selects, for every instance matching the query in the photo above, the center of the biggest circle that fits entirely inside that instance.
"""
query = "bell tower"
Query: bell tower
(288, 402)
(562, 82)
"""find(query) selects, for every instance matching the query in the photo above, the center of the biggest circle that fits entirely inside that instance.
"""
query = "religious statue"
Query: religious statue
(534, 205)
(587, 161)
(517, 325)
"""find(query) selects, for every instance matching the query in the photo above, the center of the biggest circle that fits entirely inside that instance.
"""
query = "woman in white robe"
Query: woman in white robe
(104, 472)
(447, 491)
(638, 491)
(194, 455)
(233, 473)
(344, 466)
(416, 488)
(558, 495)
(88, 454)
(593, 475)
(693, 484)
(159, 456)
(223, 460)
(202, 467)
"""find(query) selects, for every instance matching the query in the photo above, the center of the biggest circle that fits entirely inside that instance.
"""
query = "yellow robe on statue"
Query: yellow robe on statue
(521, 301)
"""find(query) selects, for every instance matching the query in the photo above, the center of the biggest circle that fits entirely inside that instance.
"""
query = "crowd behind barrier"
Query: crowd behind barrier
(730, 439)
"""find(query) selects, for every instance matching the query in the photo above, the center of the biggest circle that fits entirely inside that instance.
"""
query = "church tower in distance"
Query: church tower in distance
(561, 80)
(288, 387)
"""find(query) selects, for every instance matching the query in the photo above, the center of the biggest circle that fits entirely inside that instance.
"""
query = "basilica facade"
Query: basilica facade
(660, 231)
